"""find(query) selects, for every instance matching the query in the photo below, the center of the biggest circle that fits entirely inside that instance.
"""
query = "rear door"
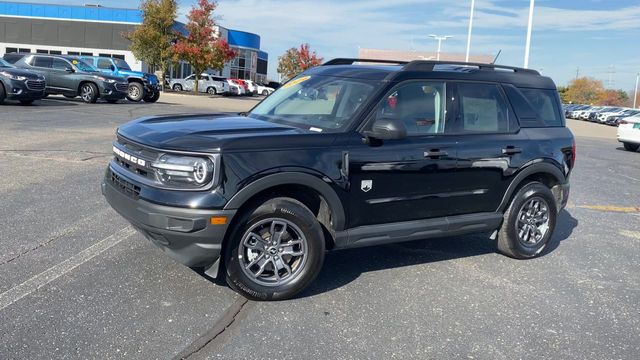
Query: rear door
(491, 146)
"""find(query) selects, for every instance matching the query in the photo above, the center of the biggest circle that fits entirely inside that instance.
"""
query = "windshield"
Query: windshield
(83, 66)
(4, 64)
(121, 64)
(317, 103)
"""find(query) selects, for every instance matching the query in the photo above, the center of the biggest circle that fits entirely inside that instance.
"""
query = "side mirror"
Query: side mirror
(70, 70)
(387, 129)
(112, 68)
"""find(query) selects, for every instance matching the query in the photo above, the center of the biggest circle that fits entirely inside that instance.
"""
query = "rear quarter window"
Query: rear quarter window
(545, 104)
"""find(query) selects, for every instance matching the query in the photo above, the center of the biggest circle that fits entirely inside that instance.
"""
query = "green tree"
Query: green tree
(201, 48)
(296, 60)
(562, 90)
(151, 41)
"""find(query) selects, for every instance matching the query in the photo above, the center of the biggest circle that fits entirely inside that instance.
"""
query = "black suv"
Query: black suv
(71, 77)
(18, 84)
(348, 154)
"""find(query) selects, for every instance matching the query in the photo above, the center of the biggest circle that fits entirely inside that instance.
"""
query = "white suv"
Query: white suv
(206, 84)
(629, 132)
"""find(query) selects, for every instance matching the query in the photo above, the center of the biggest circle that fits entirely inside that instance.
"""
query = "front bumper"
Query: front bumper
(109, 91)
(18, 90)
(184, 234)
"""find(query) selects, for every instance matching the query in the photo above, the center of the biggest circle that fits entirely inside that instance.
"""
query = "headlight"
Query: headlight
(110, 81)
(185, 171)
(13, 77)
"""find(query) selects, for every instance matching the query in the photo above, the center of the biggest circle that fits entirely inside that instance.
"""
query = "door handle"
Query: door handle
(511, 150)
(433, 153)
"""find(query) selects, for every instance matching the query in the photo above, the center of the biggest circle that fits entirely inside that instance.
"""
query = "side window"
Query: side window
(41, 61)
(420, 106)
(483, 109)
(104, 64)
(545, 105)
(190, 77)
(60, 64)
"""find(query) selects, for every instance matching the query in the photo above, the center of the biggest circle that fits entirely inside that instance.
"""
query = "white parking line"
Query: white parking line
(26, 288)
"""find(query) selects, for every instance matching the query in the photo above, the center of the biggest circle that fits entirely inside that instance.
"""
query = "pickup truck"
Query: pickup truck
(142, 86)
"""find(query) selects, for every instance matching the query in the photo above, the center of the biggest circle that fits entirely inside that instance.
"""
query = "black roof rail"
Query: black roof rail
(350, 61)
(429, 65)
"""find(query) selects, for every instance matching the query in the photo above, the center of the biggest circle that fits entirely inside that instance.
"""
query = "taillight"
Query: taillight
(622, 122)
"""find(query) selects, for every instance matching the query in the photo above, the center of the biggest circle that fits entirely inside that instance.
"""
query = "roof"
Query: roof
(442, 70)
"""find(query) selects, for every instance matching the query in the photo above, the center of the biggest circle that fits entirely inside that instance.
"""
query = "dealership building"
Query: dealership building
(96, 30)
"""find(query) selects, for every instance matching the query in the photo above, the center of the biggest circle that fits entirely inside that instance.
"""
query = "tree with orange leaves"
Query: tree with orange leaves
(296, 60)
(201, 48)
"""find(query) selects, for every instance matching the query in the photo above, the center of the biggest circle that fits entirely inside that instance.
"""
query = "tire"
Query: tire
(89, 93)
(151, 98)
(630, 146)
(265, 92)
(303, 232)
(2, 93)
(211, 90)
(135, 92)
(513, 238)
(177, 87)
(26, 102)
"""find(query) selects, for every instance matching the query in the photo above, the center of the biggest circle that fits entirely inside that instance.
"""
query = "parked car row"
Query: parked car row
(610, 115)
(27, 77)
(216, 85)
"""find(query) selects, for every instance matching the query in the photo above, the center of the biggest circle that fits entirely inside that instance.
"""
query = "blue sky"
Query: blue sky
(600, 37)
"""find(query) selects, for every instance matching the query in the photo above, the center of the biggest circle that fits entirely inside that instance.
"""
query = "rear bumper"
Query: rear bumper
(628, 134)
(561, 194)
(184, 234)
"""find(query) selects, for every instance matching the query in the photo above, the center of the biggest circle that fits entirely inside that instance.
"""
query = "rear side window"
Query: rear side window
(545, 105)
(41, 61)
(483, 109)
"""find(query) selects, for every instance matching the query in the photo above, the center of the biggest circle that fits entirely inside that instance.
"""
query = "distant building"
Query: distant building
(96, 30)
(408, 55)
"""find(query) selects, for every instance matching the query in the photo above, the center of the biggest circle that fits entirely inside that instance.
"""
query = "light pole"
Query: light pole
(526, 49)
(473, 3)
(440, 39)
(635, 95)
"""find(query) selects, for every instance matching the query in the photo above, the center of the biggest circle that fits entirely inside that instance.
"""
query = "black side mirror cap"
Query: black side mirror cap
(387, 129)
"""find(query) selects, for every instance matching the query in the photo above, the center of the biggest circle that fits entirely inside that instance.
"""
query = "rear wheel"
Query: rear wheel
(89, 93)
(275, 251)
(265, 92)
(135, 92)
(631, 147)
(177, 87)
(211, 90)
(528, 222)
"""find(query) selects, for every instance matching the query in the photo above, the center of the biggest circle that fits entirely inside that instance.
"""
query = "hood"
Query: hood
(217, 132)
(21, 72)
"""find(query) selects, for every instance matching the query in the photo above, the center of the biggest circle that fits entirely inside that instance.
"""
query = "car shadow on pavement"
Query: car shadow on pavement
(344, 266)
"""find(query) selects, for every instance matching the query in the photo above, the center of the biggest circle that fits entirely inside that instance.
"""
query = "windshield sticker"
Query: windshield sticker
(315, 129)
(74, 62)
(296, 81)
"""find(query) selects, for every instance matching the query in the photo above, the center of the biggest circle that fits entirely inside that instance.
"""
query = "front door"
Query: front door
(411, 178)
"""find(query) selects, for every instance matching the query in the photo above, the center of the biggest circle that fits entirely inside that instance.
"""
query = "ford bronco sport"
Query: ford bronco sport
(351, 153)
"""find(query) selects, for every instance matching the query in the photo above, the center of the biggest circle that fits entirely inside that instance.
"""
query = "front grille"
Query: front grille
(124, 186)
(147, 156)
(37, 85)
(122, 86)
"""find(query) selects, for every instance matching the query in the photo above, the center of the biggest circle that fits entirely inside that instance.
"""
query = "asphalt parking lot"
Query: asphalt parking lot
(77, 282)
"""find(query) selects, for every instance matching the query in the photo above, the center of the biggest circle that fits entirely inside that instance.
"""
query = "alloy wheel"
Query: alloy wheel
(533, 221)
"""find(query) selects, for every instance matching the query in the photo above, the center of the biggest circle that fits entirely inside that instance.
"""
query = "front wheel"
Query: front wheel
(153, 97)
(528, 222)
(275, 251)
(631, 147)
(89, 93)
(177, 87)
(211, 90)
(135, 92)
(265, 92)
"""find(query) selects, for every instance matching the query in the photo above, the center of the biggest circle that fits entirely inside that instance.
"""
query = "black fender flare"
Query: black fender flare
(540, 167)
(294, 178)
